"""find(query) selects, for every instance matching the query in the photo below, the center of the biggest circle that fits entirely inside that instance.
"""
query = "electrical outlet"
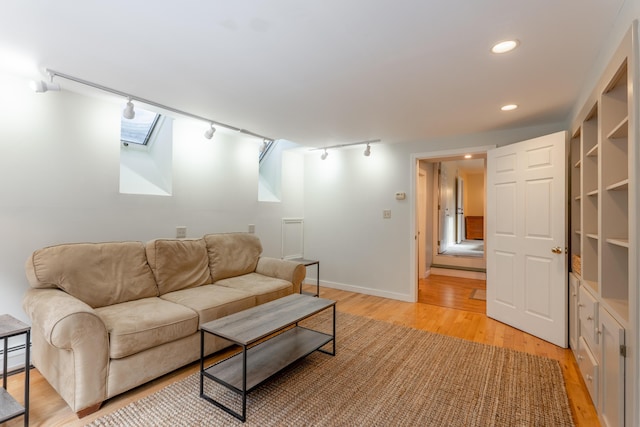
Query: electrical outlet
(252, 228)
(386, 214)
(181, 232)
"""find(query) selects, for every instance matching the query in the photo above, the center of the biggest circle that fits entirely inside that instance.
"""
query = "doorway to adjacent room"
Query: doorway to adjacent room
(450, 217)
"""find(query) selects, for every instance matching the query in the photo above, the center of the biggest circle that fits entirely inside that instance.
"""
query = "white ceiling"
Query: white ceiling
(325, 72)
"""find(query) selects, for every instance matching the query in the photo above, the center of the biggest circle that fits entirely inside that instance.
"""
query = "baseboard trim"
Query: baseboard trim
(15, 359)
(466, 274)
(362, 290)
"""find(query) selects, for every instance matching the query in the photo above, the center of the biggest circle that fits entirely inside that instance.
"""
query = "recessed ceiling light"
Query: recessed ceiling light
(505, 46)
(509, 107)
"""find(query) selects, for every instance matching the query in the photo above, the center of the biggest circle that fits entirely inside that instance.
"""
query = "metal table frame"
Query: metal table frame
(309, 263)
(11, 327)
(255, 363)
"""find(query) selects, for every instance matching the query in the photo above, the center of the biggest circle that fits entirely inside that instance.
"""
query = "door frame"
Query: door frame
(413, 214)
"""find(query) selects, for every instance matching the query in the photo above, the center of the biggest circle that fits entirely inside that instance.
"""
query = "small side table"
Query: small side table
(9, 407)
(308, 263)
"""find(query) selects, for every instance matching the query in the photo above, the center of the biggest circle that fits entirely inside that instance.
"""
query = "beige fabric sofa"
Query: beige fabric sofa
(107, 317)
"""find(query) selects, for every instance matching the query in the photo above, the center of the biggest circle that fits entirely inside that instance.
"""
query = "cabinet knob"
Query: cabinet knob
(589, 318)
(580, 305)
(580, 357)
(598, 331)
(589, 378)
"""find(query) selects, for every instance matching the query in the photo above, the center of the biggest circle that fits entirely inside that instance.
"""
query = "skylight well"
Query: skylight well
(139, 129)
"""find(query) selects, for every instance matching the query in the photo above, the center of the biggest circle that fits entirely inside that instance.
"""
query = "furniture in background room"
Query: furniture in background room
(108, 317)
(9, 407)
(603, 283)
(474, 226)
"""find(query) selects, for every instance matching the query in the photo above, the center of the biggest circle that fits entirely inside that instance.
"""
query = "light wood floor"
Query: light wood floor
(444, 307)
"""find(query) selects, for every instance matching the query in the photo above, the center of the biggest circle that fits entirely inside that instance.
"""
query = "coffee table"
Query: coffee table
(264, 351)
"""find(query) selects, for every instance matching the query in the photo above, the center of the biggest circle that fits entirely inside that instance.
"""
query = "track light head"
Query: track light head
(41, 86)
(367, 151)
(209, 132)
(324, 155)
(129, 112)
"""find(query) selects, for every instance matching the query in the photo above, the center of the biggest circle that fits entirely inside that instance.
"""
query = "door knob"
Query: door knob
(556, 250)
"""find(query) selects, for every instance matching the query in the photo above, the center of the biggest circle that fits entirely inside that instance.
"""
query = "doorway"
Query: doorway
(426, 259)
(455, 197)
(460, 207)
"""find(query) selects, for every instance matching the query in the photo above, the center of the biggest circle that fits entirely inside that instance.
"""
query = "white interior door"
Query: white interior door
(422, 224)
(526, 221)
(443, 242)
(459, 210)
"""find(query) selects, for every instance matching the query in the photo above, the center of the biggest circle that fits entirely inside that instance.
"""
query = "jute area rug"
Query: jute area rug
(382, 375)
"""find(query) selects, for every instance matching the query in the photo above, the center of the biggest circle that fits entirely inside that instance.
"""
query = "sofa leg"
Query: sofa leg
(89, 410)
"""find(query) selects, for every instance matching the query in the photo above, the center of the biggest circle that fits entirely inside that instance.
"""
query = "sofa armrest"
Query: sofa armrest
(291, 271)
(71, 330)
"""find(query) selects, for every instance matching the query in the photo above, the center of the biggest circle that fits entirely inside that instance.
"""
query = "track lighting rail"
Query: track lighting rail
(370, 141)
(367, 150)
(54, 73)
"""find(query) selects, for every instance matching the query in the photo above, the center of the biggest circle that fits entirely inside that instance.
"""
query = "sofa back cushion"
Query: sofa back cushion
(178, 264)
(232, 254)
(98, 274)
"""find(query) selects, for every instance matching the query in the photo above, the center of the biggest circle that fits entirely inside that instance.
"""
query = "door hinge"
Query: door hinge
(623, 350)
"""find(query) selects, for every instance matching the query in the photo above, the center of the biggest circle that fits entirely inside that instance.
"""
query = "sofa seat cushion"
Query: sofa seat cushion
(264, 288)
(135, 326)
(212, 302)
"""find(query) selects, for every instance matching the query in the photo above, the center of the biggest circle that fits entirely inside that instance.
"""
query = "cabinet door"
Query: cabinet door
(588, 314)
(612, 371)
(574, 327)
(589, 369)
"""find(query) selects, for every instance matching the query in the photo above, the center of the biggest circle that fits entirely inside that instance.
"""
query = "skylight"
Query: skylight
(265, 149)
(139, 129)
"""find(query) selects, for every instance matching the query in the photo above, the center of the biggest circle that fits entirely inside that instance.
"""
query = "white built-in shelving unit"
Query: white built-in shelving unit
(603, 202)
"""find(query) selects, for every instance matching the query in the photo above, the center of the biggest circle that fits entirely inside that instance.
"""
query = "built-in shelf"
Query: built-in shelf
(603, 315)
(592, 284)
(620, 131)
(620, 308)
(619, 186)
(619, 242)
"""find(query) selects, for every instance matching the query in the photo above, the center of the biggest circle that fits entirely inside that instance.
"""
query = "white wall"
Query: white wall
(345, 195)
(474, 193)
(629, 12)
(60, 162)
